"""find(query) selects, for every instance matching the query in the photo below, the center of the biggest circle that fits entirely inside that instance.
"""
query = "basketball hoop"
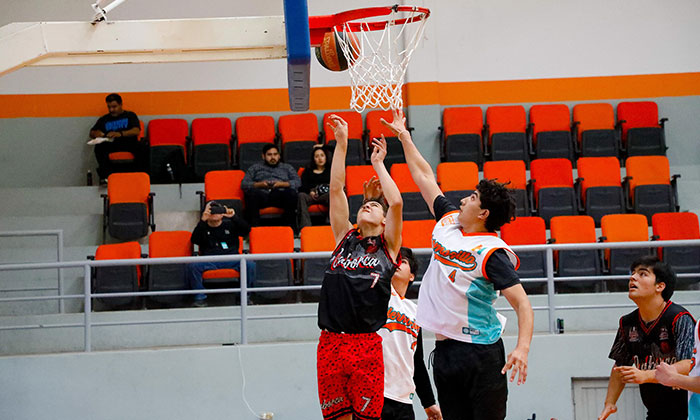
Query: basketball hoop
(378, 54)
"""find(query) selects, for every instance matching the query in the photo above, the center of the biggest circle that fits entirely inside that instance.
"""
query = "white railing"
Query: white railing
(87, 295)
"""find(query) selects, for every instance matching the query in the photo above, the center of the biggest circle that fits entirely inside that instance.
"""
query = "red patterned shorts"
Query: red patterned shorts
(350, 370)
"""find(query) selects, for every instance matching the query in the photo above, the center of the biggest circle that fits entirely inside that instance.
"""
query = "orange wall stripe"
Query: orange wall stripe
(329, 98)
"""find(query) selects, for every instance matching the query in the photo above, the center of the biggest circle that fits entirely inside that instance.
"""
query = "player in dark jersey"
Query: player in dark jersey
(356, 289)
(657, 331)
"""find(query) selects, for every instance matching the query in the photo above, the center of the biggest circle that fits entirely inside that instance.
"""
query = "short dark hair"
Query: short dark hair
(407, 254)
(269, 146)
(498, 200)
(663, 272)
(380, 200)
(114, 97)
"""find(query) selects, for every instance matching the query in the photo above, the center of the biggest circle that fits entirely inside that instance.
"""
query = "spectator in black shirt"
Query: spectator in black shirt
(123, 128)
(218, 234)
(271, 183)
(314, 184)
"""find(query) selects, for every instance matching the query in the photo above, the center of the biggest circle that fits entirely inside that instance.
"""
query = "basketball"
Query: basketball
(330, 53)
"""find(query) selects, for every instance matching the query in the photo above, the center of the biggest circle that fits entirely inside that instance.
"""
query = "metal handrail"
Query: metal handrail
(243, 289)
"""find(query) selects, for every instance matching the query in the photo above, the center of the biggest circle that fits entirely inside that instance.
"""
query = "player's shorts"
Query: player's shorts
(395, 410)
(350, 370)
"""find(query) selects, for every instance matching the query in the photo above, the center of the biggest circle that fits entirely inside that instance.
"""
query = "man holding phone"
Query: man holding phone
(217, 233)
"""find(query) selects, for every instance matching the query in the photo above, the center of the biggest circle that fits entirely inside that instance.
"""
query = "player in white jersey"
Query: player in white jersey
(402, 343)
(470, 265)
(670, 376)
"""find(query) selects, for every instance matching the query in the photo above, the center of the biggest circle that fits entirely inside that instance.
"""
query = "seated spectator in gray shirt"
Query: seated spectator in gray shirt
(271, 183)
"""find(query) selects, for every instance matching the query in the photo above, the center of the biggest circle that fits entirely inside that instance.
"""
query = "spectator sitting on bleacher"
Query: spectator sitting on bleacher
(315, 182)
(122, 128)
(217, 234)
(271, 183)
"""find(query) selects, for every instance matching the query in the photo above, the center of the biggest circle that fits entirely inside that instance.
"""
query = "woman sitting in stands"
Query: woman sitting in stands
(315, 182)
(356, 289)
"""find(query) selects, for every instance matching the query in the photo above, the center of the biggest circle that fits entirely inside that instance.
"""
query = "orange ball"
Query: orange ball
(330, 54)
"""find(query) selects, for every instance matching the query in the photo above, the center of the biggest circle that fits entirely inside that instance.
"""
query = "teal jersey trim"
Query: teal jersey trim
(483, 324)
(694, 407)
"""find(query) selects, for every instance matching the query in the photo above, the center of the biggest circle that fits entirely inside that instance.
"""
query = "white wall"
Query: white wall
(473, 40)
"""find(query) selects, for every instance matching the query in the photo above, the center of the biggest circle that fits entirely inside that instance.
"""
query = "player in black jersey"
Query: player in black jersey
(356, 289)
(657, 331)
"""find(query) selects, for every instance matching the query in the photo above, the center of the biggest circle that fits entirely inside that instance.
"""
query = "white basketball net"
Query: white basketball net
(377, 74)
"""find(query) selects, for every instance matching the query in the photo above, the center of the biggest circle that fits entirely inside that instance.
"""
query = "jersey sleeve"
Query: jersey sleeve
(684, 329)
(500, 271)
(420, 375)
(619, 352)
(442, 206)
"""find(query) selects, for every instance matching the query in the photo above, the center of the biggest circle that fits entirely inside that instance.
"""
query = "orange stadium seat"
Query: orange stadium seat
(623, 228)
(126, 161)
(511, 172)
(375, 128)
(414, 207)
(167, 244)
(649, 187)
(528, 231)
(418, 234)
(461, 135)
(167, 139)
(550, 127)
(507, 137)
(128, 206)
(599, 187)
(355, 176)
(118, 279)
(575, 262)
(457, 179)
(641, 130)
(315, 239)
(252, 133)
(678, 226)
(299, 133)
(223, 187)
(553, 188)
(594, 125)
(356, 151)
(211, 145)
(272, 273)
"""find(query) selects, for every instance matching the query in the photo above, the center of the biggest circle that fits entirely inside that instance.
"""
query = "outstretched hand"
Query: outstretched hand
(379, 150)
(517, 360)
(372, 188)
(340, 129)
(399, 122)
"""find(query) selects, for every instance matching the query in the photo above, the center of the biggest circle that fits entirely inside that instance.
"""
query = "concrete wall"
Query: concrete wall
(207, 382)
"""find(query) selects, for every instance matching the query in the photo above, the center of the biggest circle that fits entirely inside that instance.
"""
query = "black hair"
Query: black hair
(407, 254)
(114, 97)
(380, 200)
(498, 200)
(663, 272)
(269, 146)
(312, 163)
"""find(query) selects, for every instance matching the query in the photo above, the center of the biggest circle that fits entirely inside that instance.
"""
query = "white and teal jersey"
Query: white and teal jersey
(456, 298)
(693, 398)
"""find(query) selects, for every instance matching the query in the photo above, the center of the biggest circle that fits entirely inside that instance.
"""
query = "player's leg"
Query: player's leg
(395, 410)
(332, 377)
(453, 375)
(491, 392)
(366, 383)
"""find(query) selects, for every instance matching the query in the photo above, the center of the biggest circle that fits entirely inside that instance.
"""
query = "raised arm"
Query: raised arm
(339, 212)
(394, 217)
(420, 169)
(615, 387)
